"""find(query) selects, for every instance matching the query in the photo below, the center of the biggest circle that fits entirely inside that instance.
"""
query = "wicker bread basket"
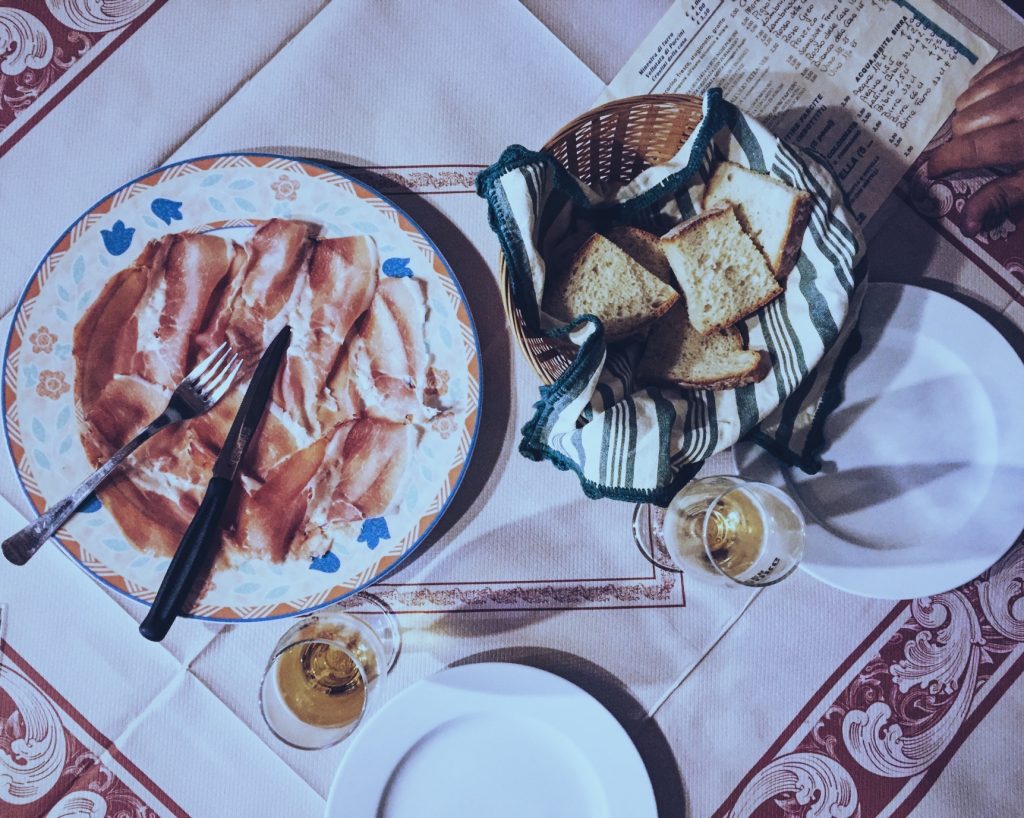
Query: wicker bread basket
(613, 143)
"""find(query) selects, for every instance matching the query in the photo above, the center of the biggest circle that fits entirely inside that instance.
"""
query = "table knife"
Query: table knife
(203, 532)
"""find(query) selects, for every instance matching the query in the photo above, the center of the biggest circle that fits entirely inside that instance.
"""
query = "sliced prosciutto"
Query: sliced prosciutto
(183, 272)
(383, 371)
(345, 419)
(272, 280)
(98, 344)
(340, 287)
(351, 473)
(270, 518)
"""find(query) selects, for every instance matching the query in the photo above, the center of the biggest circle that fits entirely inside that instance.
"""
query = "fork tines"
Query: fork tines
(213, 376)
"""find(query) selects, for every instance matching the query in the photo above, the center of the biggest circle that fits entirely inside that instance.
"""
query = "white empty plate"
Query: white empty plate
(921, 486)
(494, 739)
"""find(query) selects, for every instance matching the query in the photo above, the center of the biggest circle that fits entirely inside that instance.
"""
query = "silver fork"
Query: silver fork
(197, 393)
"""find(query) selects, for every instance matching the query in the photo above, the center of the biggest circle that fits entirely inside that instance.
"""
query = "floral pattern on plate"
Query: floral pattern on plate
(230, 194)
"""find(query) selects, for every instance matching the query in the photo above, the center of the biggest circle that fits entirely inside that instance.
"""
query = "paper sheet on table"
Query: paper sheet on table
(865, 83)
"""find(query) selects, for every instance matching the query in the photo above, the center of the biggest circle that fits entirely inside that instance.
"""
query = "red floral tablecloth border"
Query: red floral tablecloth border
(53, 761)
(924, 679)
(51, 48)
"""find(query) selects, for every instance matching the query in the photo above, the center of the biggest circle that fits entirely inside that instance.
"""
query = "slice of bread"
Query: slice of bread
(723, 275)
(605, 281)
(644, 248)
(773, 213)
(676, 354)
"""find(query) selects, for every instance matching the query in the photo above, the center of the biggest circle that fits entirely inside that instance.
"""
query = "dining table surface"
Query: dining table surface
(740, 701)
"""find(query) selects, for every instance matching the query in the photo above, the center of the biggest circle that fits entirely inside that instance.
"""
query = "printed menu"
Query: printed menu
(863, 83)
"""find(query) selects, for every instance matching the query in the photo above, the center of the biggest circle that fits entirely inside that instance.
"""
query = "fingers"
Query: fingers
(998, 108)
(993, 202)
(984, 84)
(987, 126)
(998, 63)
(999, 145)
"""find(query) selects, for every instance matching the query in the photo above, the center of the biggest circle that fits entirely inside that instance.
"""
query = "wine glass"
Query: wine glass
(326, 671)
(728, 530)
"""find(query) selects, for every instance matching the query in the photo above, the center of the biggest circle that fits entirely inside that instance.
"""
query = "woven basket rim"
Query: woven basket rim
(545, 371)
(616, 104)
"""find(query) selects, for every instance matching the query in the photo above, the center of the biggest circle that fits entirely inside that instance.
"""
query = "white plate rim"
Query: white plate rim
(828, 539)
(630, 786)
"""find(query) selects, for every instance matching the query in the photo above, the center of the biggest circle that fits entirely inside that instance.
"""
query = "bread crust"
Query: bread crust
(799, 216)
(799, 219)
(755, 374)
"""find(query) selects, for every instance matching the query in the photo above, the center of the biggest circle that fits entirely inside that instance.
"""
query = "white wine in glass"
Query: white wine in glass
(324, 683)
(732, 531)
(325, 673)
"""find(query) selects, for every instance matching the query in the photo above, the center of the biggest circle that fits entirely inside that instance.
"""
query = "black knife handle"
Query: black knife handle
(188, 561)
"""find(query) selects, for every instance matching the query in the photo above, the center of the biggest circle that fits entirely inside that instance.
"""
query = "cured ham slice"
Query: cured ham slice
(145, 319)
(218, 313)
(99, 331)
(269, 519)
(273, 278)
(372, 460)
(366, 465)
(351, 473)
(182, 272)
(383, 370)
(193, 270)
(127, 404)
(341, 285)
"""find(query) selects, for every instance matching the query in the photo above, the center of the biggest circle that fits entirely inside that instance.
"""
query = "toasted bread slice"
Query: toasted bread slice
(677, 354)
(604, 281)
(773, 213)
(644, 249)
(723, 275)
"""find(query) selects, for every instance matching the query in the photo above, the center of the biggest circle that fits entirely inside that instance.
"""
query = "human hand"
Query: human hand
(988, 129)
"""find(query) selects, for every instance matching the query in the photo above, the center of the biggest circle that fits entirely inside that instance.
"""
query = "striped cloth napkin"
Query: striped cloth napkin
(639, 443)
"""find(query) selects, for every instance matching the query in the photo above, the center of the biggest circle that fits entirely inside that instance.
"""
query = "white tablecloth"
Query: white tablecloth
(421, 96)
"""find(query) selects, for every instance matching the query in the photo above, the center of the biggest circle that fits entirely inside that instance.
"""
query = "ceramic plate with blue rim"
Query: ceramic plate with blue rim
(231, 194)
